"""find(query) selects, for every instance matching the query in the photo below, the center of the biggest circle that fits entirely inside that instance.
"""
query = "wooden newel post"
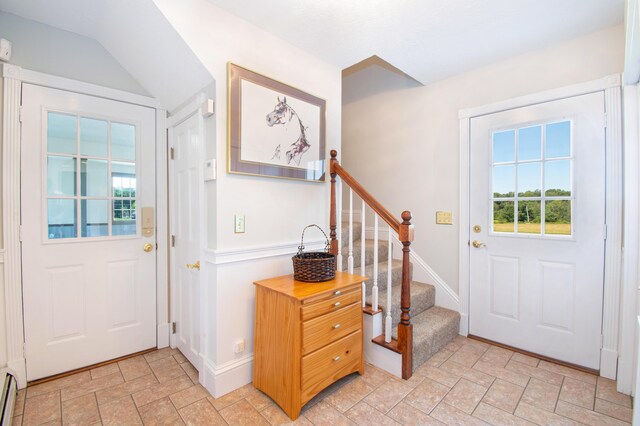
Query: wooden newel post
(333, 249)
(405, 328)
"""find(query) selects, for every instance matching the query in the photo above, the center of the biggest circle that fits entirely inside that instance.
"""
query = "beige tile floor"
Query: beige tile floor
(466, 383)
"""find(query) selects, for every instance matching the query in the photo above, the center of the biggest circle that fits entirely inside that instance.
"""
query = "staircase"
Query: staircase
(433, 326)
(413, 327)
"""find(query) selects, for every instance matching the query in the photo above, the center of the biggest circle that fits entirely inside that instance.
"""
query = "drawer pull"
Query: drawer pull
(337, 293)
(336, 304)
(336, 358)
(337, 326)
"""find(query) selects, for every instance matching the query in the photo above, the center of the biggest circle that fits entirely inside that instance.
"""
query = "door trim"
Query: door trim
(13, 77)
(176, 118)
(611, 86)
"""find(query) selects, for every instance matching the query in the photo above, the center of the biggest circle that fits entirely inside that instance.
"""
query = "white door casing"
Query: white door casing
(541, 293)
(96, 292)
(186, 142)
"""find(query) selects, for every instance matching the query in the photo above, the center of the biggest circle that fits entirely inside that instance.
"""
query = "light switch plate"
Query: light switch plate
(444, 218)
(239, 223)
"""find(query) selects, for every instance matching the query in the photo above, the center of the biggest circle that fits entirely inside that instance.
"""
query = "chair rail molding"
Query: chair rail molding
(13, 77)
(610, 85)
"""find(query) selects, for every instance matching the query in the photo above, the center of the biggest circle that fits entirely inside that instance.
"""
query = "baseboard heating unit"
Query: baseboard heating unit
(8, 400)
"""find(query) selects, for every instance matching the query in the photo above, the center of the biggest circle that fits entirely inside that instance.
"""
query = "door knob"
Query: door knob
(478, 244)
(147, 247)
(194, 265)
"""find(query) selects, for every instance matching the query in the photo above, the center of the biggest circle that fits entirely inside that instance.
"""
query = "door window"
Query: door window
(531, 175)
(91, 177)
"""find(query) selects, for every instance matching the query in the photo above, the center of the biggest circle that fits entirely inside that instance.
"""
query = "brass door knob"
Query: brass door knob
(147, 247)
(194, 265)
(478, 244)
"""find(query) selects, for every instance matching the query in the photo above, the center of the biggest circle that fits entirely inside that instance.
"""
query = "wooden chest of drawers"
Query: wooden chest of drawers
(307, 336)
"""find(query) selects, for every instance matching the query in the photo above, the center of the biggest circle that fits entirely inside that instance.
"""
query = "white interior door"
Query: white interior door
(88, 170)
(537, 215)
(186, 177)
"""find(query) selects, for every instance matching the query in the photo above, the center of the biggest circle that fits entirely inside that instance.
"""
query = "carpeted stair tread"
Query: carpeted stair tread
(357, 231)
(396, 274)
(432, 330)
(383, 251)
(423, 297)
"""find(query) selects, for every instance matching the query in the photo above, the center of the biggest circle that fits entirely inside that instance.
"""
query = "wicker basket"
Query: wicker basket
(314, 267)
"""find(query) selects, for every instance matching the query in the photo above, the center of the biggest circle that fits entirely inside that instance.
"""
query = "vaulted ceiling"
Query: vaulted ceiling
(427, 39)
(135, 33)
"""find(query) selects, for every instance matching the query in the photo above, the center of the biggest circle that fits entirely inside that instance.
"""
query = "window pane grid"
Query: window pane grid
(523, 194)
(94, 194)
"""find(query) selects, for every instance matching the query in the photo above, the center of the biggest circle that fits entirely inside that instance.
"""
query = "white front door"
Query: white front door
(185, 195)
(88, 170)
(537, 216)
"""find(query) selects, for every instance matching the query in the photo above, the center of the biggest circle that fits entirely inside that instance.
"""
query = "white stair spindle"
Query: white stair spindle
(363, 238)
(387, 323)
(374, 304)
(339, 203)
(350, 258)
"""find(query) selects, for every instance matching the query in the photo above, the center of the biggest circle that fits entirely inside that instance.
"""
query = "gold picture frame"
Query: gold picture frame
(274, 130)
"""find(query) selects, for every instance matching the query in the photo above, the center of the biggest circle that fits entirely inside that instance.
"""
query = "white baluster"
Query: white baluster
(350, 258)
(339, 232)
(374, 304)
(363, 255)
(363, 238)
(387, 323)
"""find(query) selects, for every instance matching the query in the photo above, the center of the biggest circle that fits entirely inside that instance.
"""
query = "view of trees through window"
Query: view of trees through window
(531, 175)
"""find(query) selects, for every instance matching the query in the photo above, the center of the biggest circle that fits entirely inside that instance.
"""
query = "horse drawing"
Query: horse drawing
(283, 114)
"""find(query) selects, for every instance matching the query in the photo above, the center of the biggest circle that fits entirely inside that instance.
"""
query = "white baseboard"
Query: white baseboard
(164, 331)
(464, 324)
(422, 272)
(225, 378)
(608, 363)
(18, 367)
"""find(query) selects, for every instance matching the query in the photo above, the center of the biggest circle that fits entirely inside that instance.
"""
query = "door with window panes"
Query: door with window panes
(537, 216)
(89, 280)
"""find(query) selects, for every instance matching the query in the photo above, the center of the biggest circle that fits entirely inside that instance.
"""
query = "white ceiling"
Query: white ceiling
(135, 33)
(427, 39)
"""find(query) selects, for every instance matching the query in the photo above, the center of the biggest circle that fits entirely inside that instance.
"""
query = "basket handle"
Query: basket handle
(301, 246)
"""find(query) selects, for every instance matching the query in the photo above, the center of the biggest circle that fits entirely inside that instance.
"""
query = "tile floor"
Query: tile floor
(466, 383)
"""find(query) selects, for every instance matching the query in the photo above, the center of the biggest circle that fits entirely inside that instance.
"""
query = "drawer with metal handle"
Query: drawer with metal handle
(326, 365)
(331, 303)
(330, 327)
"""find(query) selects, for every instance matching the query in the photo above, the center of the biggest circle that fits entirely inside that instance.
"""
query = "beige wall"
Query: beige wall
(401, 140)
(39, 47)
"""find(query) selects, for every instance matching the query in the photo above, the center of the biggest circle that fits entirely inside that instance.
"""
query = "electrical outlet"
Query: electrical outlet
(444, 218)
(238, 346)
(239, 223)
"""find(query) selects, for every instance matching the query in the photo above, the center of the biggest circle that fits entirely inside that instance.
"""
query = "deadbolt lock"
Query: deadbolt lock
(477, 229)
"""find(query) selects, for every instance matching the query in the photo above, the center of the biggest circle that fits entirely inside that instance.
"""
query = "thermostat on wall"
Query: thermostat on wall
(210, 170)
(5, 50)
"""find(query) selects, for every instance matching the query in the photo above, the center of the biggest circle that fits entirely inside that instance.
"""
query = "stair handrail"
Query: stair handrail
(405, 232)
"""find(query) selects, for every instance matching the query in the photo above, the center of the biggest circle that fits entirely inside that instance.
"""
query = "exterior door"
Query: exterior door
(186, 233)
(89, 282)
(537, 211)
